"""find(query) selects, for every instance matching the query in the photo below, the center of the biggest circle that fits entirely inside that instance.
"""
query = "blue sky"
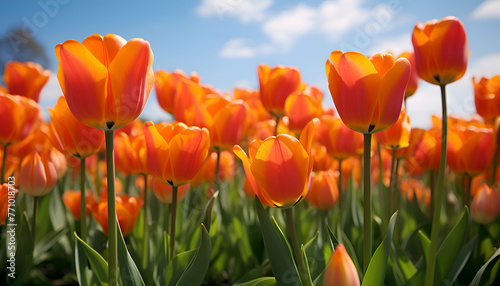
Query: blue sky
(225, 40)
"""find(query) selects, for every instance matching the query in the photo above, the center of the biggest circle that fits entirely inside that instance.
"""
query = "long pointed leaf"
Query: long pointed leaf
(485, 270)
(129, 272)
(196, 271)
(97, 263)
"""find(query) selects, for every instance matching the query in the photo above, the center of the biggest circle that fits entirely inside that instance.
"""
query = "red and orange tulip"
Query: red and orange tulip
(127, 212)
(207, 170)
(300, 108)
(7, 193)
(486, 204)
(441, 50)
(398, 135)
(19, 116)
(175, 152)
(340, 269)
(38, 175)
(163, 191)
(368, 93)
(130, 154)
(324, 192)
(166, 86)
(279, 168)
(25, 79)
(106, 80)
(71, 200)
(229, 125)
(340, 141)
(276, 84)
(470, 151)
(487, 97)
(412, 86)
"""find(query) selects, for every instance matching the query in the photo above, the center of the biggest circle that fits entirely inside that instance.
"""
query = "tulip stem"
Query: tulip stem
(495, 159)
(367, 203)
(466, 190)
(83, 209)
(173, 221)
(146, 224)
(277, 118)
(35, 215)
(341, 196)
(390, 201)
(4, 163)
(299, 258)
(217, 166)
(112, 231)
(431, 264)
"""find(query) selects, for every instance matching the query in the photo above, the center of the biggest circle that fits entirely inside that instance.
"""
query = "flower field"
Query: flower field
(249, 187)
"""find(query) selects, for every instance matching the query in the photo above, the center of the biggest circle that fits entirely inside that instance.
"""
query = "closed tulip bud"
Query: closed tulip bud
(324, 192)
(485, 205)
(163, 192)
(441, 50)
(487, 97)
(38, 175)
(166, 89)
(71, 200)
(7, 199)
(398, 135)
(279, 167)
(229, 125)
(127, 212)
(368, 92)
(25, 79)
(106, 80)
(340, 269)
(276, 84)
(131, 154)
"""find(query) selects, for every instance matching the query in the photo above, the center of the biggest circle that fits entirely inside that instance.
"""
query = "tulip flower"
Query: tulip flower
(340, 269)
(280, 166)
(276, 84)
(441, 50)
(163, 191)
(106, 80)
(368, 93)
(487, 97)
(127, 211)
(398, 135)
(229, 125)
(340, 141)
(72, 199)
(416, 135)
(19, 116)
(412, 86)
(485, 205)
(25, 79)
(208, 169)
(38, 175)
(38, 140)
(322, 160)
(130, 154)
(300, 108)
(7, 198)
(166, 85)
(324, 192)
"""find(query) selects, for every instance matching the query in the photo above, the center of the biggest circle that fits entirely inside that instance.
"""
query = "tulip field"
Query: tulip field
(250, 187)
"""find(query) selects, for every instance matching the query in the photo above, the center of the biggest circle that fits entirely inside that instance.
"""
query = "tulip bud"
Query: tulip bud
(341, 269)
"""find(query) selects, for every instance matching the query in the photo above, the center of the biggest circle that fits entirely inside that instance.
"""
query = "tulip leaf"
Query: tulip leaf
(46, 243)
(129, 272)
(197, 269)
(263, 281)
(24, 250)
(450, 248)
(375, 274)
(426, 244)
(97, 263)
(307, 265)
(483, 274)
(176, 267)
(207, 220)
(460, 261)
(162, 259)
(281, 235)
(280, 258)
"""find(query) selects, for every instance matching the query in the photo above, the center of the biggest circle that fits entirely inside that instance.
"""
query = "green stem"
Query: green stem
(277, 118)
(299, 258)
(495, 159)
(431, 264)
(166, 221)
(367, 203)
(391, 186)
(112, 230)
(217, 167)
(173, 221)
(35, 215)
(128, 179)
(83, 212)
(466, 190)
(146, 224)
(341, 196)
(4, 163)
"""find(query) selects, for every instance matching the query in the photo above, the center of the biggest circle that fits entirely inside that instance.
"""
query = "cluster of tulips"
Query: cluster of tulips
(257, 187)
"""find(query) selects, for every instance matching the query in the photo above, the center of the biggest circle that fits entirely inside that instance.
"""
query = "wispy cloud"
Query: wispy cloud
(242, 48)
(396, 45)
(245, 11)
(487, 10)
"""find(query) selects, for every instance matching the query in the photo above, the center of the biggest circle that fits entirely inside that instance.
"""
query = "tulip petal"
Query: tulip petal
(104, 48)
(158, 151)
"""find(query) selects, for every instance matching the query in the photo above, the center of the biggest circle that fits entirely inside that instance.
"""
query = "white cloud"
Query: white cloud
(242, 48)
(338, 17)
(396, 45)
(245, 84)
(244, 10)
(486, 10)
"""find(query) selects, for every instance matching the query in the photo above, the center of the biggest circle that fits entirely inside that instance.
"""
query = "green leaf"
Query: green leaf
(307, 264)
(460, 261)
(129, 272)
(24, 250)
(46, 243)
(97, 263)
(280, 258)
(57, 211)
(375, 274)
(263, 281)
(177, 266)
(281, 235)
(162, 260)
(483, 274)
(81, 264)
(426, 244)
(402, 267)
(207, 220)
(197, 269)
(449, 249)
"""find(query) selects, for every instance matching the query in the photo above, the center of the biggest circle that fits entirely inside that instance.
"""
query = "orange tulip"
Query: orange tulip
(280, 166)
(322, 160)
(412, 86)
(471, 150)
(37, 140)
(207, 170)
(127, 211)
(26, 79)
(416, 135)
(368, 93)
(487, 97)
(166, 88)
(71, 136)
(163, 192)
(300, 108)
(130, 155)
(175, 152)
(7, 194)
(324, 192)
(38, 175)
(485, 205)
(276, 84)
(411, 187)
(229, 125)
(340, 269)
(71, 200)
(340, 141)
(19, 116)
(398, 135)
(441, 50)
(428, 152)
(106, 80)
